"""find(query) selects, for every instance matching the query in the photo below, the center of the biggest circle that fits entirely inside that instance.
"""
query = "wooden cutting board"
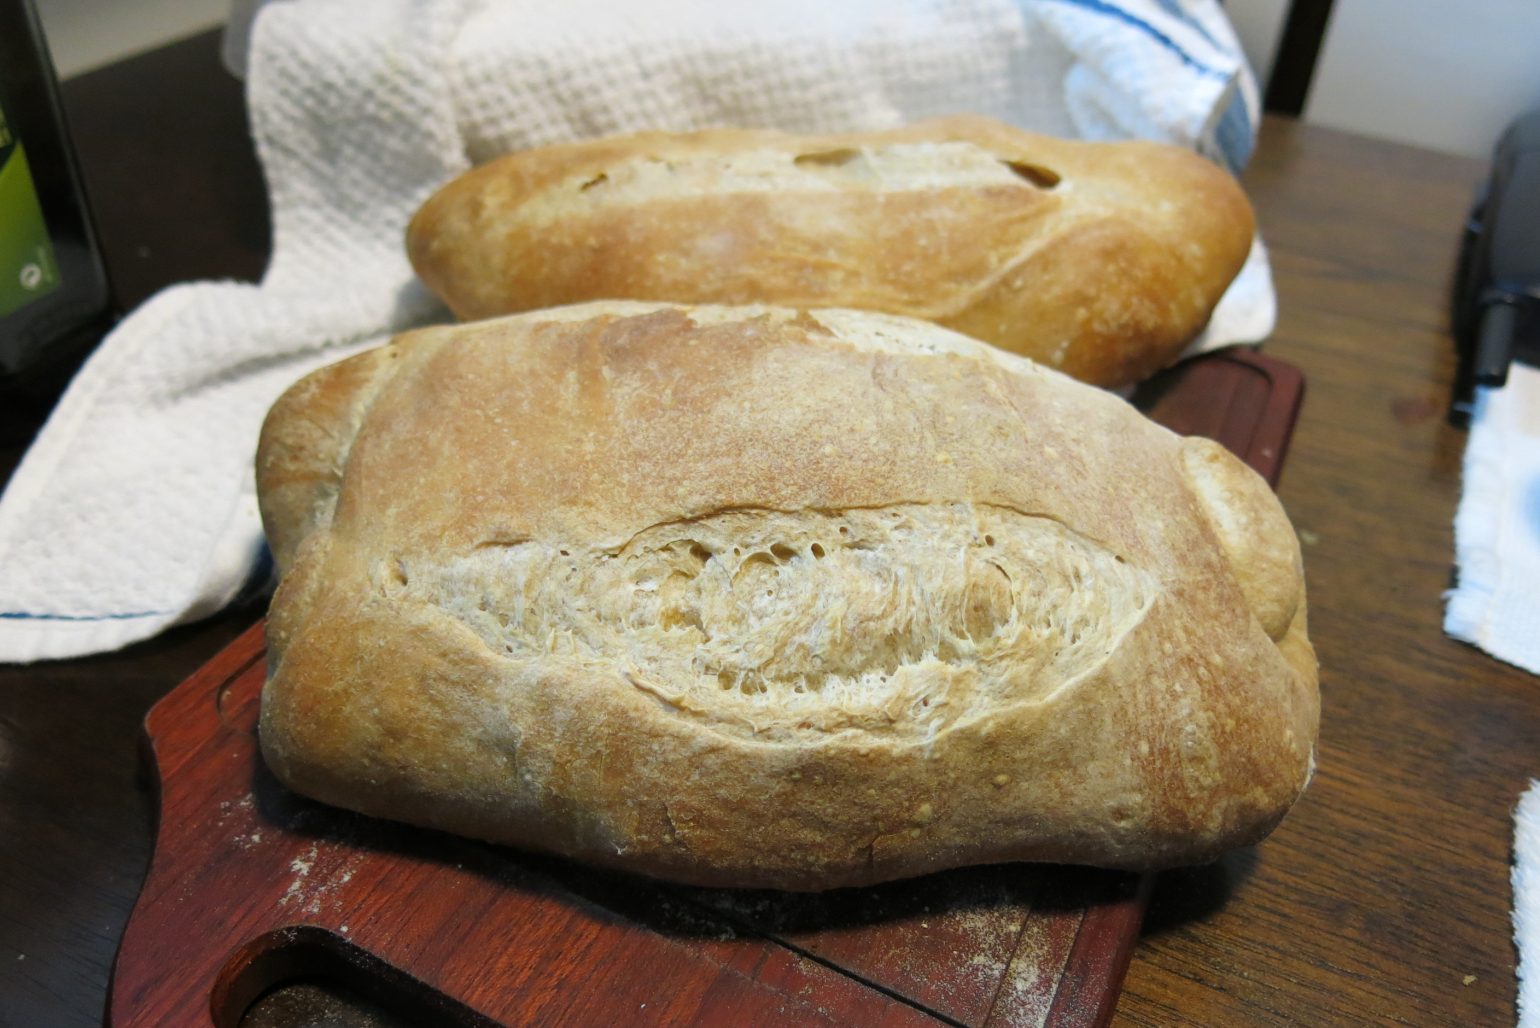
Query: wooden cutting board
(251, 886)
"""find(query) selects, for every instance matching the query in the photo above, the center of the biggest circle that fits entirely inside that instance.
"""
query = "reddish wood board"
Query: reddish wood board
(251, 885)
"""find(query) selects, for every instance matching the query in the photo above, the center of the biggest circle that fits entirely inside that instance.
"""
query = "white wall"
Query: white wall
(1259, 24)
(85, 34)
(1444, 74)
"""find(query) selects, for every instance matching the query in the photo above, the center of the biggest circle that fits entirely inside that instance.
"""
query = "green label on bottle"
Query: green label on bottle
(27, 266)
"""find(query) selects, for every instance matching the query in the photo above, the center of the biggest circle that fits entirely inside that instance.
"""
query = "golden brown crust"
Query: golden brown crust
(304, 443)
(1100, 259)
(768, 598)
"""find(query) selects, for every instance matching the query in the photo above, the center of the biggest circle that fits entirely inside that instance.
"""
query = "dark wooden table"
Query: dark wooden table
(1383, 898)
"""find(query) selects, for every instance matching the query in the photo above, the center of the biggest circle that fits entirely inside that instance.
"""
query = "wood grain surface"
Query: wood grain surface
(1383, 899)
(1384, 896)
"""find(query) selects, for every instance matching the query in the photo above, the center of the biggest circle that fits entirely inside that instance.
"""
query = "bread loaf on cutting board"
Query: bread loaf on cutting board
(1100, 259)
(760, 597)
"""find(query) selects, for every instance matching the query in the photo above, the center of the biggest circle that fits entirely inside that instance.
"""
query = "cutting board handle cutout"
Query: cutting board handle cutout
(298, 952)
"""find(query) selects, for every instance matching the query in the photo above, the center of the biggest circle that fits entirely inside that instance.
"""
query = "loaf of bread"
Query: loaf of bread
(1100, 259)
(760, 597)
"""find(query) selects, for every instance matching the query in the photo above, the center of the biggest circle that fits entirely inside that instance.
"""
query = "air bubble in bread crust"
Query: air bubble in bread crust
(895, 621)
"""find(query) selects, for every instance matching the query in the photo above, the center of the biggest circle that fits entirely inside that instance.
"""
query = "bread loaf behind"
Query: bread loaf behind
(1100, 259)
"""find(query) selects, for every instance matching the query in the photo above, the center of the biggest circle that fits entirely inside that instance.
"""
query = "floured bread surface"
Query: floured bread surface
(1100, 259)
(760, 597)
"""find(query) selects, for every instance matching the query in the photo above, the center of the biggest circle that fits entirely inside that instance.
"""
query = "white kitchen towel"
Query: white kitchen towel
(1526, 903)
(135, 508)
(1496, 601)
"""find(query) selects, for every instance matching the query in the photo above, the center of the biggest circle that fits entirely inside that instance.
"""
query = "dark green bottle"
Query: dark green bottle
(55, 302)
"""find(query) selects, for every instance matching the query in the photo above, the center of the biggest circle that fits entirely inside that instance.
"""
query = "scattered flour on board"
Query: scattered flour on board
(987, 935)
(313, 887)
(301, 867)
(1028, 1000)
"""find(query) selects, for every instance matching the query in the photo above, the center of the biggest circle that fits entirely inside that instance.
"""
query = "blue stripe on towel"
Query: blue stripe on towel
(20, 615)
(1177, 11)
(1233, 133)
(1114, 11)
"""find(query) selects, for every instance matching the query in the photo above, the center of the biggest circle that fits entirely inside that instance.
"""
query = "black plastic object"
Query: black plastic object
(55, 302)
(1496, 315)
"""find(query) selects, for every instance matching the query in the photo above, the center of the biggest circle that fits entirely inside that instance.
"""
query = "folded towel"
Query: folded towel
(135, 508)
(1496, 604)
